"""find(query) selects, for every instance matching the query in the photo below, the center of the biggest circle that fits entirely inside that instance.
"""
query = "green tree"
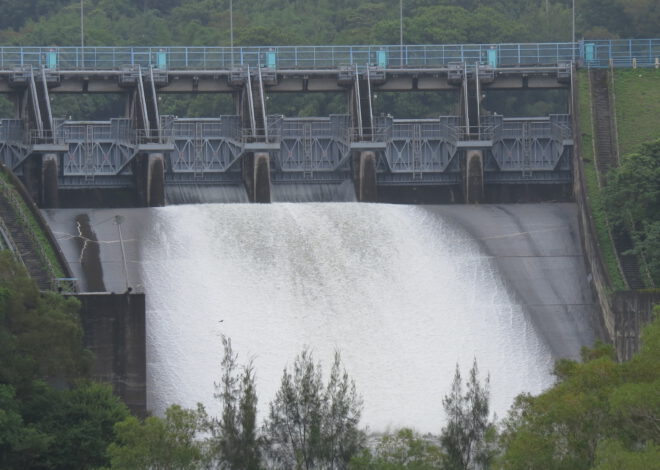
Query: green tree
(21, 444)
(79, 423)
(600, 413)
(464, 436)
(404, 449)
(40, 333)
(311, 426)
(632, 198)
(235, 436)
(169, 443)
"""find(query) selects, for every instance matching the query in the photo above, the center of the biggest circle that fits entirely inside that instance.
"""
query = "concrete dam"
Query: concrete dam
(404, 292)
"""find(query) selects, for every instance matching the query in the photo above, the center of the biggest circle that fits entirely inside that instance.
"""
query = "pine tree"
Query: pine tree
(235, 441)
(464, 436)
(311, 426)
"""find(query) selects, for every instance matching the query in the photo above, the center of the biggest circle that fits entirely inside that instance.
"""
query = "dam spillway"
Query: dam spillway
(404, 292)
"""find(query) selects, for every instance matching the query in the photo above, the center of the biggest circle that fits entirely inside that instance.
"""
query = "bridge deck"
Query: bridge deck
(593, 53)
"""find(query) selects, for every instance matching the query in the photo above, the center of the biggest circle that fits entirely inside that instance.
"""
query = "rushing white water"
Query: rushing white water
(403, 295)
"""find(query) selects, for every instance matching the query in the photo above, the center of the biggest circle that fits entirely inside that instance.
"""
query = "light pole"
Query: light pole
(231, 30)
(82, 25)
(118, 220)
(573, 29)
(401, 30)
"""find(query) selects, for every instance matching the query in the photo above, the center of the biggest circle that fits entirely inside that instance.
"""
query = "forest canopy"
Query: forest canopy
(288, 22)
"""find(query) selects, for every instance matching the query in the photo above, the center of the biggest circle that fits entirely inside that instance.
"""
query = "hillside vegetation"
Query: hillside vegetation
(281, 22)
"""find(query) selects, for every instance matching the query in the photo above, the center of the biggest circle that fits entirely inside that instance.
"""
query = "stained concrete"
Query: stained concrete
(538, 251)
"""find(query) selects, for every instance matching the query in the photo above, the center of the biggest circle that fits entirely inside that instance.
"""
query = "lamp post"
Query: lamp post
(231, 30)
(118, 220)
(401, 30)
(82, 25)
(573, 29)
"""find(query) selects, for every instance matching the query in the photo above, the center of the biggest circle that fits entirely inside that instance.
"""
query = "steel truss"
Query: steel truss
(13, 148)
(203, 145)
(530, 149)
(412, 152)
(311, 145)
(418, 147)
(96, 148)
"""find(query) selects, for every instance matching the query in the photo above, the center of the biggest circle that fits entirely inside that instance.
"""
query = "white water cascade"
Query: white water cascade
(402, 294)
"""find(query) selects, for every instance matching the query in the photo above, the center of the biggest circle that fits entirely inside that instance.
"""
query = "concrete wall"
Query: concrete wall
(632, 310)
(624, 313)
(114, 330)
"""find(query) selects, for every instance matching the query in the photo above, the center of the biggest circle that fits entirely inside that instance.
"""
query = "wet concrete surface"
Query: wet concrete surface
(538, 252)
(90, 260)
(536, 248)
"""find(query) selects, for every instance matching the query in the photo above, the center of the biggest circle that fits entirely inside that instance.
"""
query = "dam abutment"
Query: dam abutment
(623, 312)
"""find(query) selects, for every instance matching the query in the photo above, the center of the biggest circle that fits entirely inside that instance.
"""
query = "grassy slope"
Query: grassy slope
(637, 107)
(593, 189)
(41, 237)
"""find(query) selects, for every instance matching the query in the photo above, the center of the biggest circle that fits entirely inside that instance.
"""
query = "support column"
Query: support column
(156, 180)
(49, 182)
(32, 176)
(149, 174)
(364, 176)
(256, 176)
(473, 179)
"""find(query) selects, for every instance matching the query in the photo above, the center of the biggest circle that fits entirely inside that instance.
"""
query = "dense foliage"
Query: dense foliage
(317, 22)
(601, 414)
(280, 22)
(632, 199)
(48, 417)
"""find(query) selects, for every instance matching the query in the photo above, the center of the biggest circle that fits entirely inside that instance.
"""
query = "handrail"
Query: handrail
(591, 53)
(9, 241)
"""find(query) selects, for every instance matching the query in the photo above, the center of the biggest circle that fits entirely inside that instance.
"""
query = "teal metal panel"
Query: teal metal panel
(492, 57)
(161, 60)
(51, 60)
(271, 60)
(382, 59)
(589, 49)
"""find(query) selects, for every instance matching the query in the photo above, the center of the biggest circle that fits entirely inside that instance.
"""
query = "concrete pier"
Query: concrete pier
(256, 177)
(49, 182)
(474, 177)
(149, 172)
(364, 176)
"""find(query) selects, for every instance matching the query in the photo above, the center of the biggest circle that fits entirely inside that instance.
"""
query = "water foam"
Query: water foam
(403, 295)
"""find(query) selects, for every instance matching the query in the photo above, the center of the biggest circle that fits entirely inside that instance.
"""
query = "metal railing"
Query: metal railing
(7, 241)
(65, 285)
(590, 53)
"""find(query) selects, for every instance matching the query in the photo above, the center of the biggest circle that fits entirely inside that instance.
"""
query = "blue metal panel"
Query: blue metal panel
(271, 60)
(51, 60)
(381, 58)
(492, 57)
(161, 60)
(589, 48)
